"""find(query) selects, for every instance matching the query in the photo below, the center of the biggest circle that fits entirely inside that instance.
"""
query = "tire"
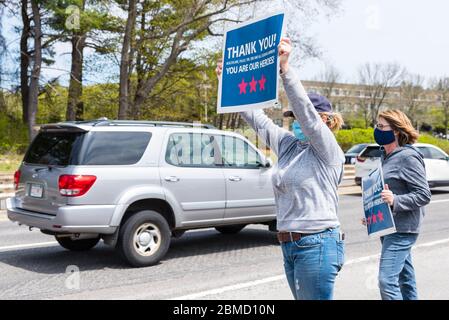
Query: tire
(144, 239)
(272, 226)
(230, 229)
(77, 245)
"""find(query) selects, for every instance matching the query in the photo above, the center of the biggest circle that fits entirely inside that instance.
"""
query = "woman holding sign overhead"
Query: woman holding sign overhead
(305, 182)
(407, 192)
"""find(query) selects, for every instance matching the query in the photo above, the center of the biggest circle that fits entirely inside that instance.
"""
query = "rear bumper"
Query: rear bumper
(69, 219)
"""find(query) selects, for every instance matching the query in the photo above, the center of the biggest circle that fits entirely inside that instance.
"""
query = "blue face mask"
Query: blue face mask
(298, 132)
(384, 137)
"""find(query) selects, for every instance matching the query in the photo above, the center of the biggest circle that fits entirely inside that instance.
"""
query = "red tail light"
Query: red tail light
(360, 159)
(16, 179)
(75, 185)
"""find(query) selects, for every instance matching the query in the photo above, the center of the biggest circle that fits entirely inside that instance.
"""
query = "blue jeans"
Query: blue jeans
(312, 263)
(396, 273)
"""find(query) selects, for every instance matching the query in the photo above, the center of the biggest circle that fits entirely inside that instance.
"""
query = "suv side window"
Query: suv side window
(186, 149)
(115, 148)
(237, 153)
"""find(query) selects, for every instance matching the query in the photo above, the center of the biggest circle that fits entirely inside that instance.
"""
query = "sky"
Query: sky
(410, 32)
(413, 33)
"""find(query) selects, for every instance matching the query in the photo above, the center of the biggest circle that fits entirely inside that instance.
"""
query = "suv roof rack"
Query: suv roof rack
(106, 122)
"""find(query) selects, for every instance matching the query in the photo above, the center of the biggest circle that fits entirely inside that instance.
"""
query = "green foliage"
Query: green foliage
(13, 135)
(100, 100)
(441, 143)
(52, 104)
(10, 162)
(348, 138)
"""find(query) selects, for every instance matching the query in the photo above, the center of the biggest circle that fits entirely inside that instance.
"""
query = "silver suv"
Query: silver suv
(136, 184)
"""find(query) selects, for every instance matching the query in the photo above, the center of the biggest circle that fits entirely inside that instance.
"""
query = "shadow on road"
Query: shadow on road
(55, 260)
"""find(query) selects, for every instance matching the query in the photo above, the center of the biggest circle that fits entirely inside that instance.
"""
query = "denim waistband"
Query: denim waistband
(329, 233)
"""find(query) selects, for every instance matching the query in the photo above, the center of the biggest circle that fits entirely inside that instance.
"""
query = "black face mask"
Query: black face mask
(384, 137)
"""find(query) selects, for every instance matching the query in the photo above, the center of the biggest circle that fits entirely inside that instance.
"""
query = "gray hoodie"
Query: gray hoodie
(307, 175)
(404, 172)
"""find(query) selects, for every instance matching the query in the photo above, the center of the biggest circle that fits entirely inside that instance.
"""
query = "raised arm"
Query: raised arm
(321, 137)
(268, 131)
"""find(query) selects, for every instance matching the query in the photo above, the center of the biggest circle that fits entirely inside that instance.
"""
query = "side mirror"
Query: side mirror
(269, 163)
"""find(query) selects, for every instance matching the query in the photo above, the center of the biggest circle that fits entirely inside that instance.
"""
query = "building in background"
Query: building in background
(352, 100)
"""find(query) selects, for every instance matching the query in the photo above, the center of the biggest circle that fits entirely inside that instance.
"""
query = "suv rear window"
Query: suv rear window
(372, 152)
(115, 148)
(54, 148)
(94, 148)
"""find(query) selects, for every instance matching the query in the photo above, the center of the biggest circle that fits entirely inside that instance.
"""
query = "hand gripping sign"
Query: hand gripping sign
(250, 77)
(379, 219)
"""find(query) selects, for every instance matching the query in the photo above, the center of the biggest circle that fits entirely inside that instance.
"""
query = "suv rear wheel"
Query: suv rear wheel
(77, 245)
(144, 238)
(230, 229)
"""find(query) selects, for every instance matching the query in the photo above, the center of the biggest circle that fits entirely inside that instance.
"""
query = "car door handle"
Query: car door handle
(171, 179)
(235, 178)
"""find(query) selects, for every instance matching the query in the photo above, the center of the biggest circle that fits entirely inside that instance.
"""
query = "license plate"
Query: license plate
(36, 190)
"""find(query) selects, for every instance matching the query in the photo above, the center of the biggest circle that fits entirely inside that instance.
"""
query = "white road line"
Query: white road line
(248, 284)
(431, 244)
(230, 288)
(27, 246)
(439, 201)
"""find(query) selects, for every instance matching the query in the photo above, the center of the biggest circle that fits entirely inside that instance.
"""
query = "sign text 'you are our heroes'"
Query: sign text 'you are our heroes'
(250, 65)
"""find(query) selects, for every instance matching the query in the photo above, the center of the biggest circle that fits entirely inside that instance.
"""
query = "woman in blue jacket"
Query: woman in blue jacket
(407, 192)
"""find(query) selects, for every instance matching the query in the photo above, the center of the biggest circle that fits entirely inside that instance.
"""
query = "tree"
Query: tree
(442, 88)
(125, 60)
(76, 21)
(25, 59)
(24, 8)
(377, 80)
(165, 30)
(330, 77)
(36, 63)
(411, 91)
(2, 54)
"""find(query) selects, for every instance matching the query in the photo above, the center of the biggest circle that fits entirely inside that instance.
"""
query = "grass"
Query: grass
(442, 143)
(10, 162)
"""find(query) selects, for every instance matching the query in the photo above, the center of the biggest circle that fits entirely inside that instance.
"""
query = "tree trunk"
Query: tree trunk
(75, 106)
(446, 118)
(220, 121)
(36, 70)
(24, 61)
(2, 102)
(137, 48)
(125, 61)
(233, 121)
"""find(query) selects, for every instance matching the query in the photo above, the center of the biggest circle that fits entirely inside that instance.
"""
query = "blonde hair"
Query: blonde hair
(334, 120)
(399, 121)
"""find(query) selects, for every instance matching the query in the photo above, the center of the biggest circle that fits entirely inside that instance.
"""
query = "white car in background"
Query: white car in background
(436, 160)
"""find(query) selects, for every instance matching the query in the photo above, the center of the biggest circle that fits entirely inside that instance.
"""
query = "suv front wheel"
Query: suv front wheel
(144, 238)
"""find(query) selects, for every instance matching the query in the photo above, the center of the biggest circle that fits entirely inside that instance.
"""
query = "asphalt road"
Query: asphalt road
(207, 265)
